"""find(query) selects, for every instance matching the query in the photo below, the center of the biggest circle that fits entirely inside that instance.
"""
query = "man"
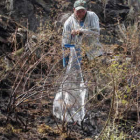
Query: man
(82, 29)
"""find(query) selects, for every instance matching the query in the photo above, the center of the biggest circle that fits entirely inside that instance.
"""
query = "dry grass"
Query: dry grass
(36, 71)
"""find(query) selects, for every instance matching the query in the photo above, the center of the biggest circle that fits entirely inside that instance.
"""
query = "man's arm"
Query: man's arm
(94, 29)
(66, 39)
(66, 35)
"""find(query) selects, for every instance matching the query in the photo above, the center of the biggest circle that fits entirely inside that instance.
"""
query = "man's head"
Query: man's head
(80, 9)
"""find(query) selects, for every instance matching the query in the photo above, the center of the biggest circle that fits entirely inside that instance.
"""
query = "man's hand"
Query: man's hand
(76, 32)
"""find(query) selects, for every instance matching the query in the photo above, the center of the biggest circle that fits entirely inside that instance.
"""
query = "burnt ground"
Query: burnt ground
(35, 121)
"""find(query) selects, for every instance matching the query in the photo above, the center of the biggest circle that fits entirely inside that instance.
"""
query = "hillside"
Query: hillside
(31, 71)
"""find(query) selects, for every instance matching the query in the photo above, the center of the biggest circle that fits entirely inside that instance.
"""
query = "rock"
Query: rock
(3, 138)
(61, 19)
(44, 4)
